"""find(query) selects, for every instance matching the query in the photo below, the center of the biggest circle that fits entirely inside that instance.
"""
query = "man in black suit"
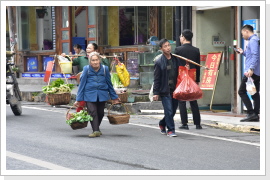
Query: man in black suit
(190, 52)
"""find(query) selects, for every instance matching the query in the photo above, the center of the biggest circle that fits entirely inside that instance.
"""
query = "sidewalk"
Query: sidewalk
(224, 120)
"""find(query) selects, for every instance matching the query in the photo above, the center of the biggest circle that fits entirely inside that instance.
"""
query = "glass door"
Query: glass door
(141, 20)
(91, 24)
(65, 30)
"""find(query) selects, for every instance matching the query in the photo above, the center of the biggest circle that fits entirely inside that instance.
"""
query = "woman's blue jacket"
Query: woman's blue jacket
(95, 86)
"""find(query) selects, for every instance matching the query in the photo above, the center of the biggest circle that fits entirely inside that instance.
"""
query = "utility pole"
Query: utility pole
(11, 23)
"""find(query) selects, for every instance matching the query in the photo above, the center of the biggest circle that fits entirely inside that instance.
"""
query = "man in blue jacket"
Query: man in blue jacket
(252, 69)
(165, 78)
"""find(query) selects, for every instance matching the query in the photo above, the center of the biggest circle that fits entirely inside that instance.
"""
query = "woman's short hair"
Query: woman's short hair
(95, 46)
(77, 46)
(93, 54)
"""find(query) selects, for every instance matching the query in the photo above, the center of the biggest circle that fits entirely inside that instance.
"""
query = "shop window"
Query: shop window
(65, 47)
(65, 29)
(65, 22)
(102, 21)
(133, 25)
(166, 22)
(23, 19)
(91, 26)
(41, 28)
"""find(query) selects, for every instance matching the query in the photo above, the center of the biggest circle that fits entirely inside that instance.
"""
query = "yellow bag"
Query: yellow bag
(123, 74)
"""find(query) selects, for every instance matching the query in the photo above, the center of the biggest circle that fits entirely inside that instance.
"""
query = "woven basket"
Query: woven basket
(78, 125)
(59, 99)
(75, 125)
(123, 97)
(118, 118)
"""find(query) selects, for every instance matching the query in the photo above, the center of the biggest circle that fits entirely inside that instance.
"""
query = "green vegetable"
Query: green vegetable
(116, 81)
(58, 86)
(81, 117)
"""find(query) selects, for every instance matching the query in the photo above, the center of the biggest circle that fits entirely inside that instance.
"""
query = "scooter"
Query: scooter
(13, 93)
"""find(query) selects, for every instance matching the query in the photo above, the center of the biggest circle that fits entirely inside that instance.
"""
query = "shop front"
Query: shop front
(129, 32)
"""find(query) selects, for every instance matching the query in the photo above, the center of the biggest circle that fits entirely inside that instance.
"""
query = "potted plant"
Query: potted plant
(16, 69)
(41, 12)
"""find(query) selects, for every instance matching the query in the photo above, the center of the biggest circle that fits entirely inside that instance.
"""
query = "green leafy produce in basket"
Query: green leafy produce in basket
(116, 81)
(81, 117)
(58, 87)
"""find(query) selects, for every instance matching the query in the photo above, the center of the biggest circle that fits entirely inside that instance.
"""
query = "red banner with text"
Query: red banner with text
(209, 76)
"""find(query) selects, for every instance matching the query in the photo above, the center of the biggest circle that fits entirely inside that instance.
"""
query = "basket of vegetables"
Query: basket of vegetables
(58, 93)
(78, 120)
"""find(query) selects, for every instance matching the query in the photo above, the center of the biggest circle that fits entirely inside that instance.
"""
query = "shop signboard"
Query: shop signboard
(210, 76)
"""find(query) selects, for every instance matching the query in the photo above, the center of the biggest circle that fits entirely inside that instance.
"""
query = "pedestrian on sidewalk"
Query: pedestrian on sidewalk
(165, 77)
(193, 53)
(252, 69)
(95, 88)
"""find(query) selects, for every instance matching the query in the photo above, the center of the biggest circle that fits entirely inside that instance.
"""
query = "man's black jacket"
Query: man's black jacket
(190, 52)
(161, 84)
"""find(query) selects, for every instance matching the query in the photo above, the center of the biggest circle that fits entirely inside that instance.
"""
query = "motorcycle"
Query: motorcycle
(13, 93)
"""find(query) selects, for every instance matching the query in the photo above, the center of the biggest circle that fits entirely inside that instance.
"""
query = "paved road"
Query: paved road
(40, 140)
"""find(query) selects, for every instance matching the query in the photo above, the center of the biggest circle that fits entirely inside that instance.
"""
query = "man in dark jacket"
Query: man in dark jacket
(165, 77)
(190, 52)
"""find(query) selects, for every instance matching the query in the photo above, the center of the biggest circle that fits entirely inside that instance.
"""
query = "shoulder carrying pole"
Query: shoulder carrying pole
(190, 61)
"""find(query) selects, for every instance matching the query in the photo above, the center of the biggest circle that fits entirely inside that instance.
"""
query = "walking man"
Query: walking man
(190, 52)
(252, 69)
(165, 77)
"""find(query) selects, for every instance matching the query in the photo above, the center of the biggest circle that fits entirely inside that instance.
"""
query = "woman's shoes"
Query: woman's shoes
(95, 134)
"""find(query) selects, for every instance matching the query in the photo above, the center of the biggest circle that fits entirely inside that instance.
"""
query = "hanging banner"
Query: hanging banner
(209, 76)
(48, 71)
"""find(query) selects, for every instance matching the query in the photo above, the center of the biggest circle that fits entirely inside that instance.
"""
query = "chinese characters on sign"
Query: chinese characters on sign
(209, 76)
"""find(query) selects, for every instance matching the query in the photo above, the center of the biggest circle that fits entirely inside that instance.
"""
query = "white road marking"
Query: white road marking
(189, 133)
(37, 162)
(42, 109)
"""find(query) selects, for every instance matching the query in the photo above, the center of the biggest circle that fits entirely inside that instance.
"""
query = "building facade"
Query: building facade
(131, 32)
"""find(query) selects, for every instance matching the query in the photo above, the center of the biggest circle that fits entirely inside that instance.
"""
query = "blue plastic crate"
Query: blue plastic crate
(78, 40)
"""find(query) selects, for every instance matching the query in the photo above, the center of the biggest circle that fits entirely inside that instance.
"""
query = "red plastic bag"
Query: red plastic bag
(187, 89)
(181, 74)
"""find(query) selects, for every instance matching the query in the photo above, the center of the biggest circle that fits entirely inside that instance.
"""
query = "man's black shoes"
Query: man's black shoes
(198, 127)
(250, 118)
(184, 126)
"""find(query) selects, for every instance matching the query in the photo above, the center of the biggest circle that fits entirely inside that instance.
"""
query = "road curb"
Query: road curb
(233, 127)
